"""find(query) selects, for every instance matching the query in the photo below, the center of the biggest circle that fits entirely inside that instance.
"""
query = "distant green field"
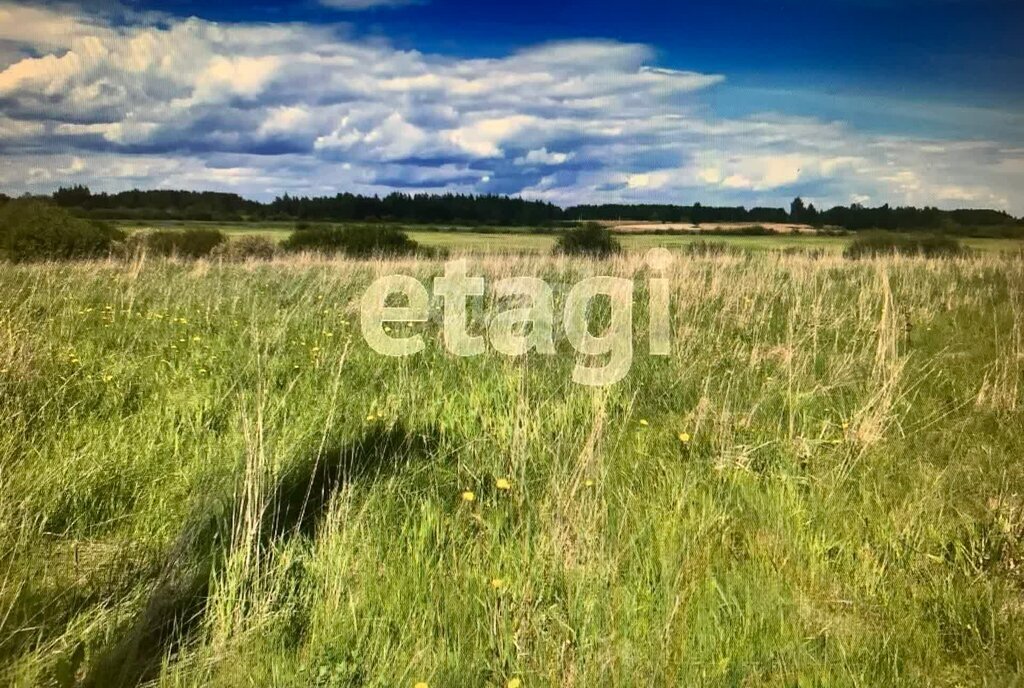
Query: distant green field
(521, 239)
(280, 230)
(829, 244)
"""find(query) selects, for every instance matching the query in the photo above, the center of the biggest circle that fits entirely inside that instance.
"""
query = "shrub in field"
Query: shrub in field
(754, 230)
(939, 246)
(190, 243)
(246, 248)
(706, 248)
(812, 253)
(33, 230)
(874, 244)
(712, 248)
(591, 239)
(304, 225)
(359, 240)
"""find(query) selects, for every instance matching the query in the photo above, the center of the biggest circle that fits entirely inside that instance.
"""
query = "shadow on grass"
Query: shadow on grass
(299, 502)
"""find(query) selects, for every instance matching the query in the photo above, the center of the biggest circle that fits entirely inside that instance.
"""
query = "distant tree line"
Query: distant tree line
(853, 217)
(343, 207)
(507, 211)
(908, 218)
(419, 208)
(695, 213)
(158, 204)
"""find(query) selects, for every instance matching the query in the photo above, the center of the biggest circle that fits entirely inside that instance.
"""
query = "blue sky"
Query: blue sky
(753, 102)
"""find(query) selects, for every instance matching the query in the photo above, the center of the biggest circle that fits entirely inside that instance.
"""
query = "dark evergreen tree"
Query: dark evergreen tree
(797, 210)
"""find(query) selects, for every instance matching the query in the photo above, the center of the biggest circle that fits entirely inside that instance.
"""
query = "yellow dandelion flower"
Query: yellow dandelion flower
(684, 437)
(370, 418)
(643, 422)
(502, 484)
(421, 684)
(196, 338)
(589, 483)
(497, 583)
(468, 496)
(515, 683)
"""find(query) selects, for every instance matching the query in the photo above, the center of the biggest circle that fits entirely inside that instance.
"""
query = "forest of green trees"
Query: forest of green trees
(506, 211)
(853, 217)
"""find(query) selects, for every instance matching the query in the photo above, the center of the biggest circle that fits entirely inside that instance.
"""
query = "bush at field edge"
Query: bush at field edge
(187, 243)
(590, 239)
(872, 244)
(356, 240)
(246, 248)
(32, 230)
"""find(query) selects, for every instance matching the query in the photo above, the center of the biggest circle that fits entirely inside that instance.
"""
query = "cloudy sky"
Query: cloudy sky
(744, 103)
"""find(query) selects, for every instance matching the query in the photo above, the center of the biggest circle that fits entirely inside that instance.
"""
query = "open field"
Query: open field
(280, 230)
(522, 240)
(653, 227)
(543, 243)
(208, 478)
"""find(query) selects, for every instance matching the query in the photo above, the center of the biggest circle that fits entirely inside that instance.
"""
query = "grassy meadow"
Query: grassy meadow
(207, 478)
